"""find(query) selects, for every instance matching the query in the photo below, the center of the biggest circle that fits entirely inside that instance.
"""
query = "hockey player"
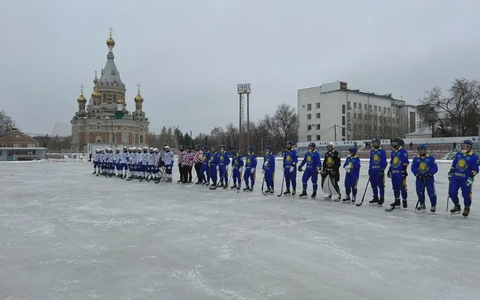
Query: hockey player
(204, 170)
(250, 166)
(190, 161)
(312, 159)
(198, 164)
(352, 169)
(331, 170)
(150, 164)
(268, 169)
(182, 165)
(424, 167)
(290, 159)
(117, 159)
(376, 172)
(223, 163)
(398, 172)
(144, 157)
(156, 160)
(462, 172)
(168, 160)
(111, 162)
(213, 166)
(96, 162)
(132, 155)
(237, 168)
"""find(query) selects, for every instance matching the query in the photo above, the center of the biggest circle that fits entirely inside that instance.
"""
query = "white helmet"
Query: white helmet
(166, 147)
(155, 149)
(331, 144)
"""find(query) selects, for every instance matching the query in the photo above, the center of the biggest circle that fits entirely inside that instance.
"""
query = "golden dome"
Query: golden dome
(95, 93)
(110, 41)
(138, 97)
(81, 98)
(120, 100)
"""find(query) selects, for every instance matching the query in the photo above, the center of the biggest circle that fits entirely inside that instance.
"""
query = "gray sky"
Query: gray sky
(189, 55)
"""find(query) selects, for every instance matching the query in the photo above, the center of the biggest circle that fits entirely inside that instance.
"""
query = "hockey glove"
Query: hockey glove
(382, 173)
(449, 175)
(427, 176)
(333, 173)
(404, 174)
(469, 181)
(300, 169)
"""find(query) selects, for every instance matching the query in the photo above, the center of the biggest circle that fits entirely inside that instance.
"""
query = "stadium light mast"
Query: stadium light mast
(244, 108)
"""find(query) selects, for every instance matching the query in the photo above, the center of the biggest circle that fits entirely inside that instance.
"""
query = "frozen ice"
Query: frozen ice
(66, 234)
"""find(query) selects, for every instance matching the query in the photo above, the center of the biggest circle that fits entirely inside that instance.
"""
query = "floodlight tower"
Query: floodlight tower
(242, 89)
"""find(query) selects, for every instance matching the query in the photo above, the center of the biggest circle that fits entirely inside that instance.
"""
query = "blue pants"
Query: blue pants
(351, 182)
(249, 176)
(399, 185)
(460, 183)
(237, 179)
(310, 173)
(378, 183)
(204, 173)
(430, 186)
(269, 179)
(213, 174)
(168, 169)
(222, 173)
(290, 177)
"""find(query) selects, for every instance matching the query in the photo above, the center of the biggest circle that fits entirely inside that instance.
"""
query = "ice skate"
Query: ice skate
(466, 211)
(404, 204)
(380, 202)
(421, 208)
(303, 194)
(373, 201)
(294, 192)
(314, 194)
(287, 192)
(433, 209)
(346, 199)
(456, 209)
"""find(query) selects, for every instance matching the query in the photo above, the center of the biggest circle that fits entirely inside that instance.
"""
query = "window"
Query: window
(112, 137)
(384, 109)
(388, 110)
(375, 108)
(365, 107)
(348, 115)
(141, 139)
(309, 138)
(359, 116)
(17, 145)
(115, 98)
(369, 107)
(309, 106)
(318, 127)
(1, 153)
(98, 139)
(309, 127)
(317, 115)
(343, 131)
(317, 105)
(354, 104)
(354, 115)
(98, 125)
(343, 120)
(343, 108)
(309, 116)
(31, 145)
(318, 137)
(104, 98)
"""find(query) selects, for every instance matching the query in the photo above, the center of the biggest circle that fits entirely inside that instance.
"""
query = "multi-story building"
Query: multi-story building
(106, 120)
(332, 112)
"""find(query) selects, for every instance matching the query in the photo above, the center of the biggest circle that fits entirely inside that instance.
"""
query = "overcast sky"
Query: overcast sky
(190, 55)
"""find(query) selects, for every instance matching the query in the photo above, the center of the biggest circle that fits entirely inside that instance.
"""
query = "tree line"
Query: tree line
(454, 112)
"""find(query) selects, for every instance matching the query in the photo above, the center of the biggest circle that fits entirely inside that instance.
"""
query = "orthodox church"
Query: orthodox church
(105, 120)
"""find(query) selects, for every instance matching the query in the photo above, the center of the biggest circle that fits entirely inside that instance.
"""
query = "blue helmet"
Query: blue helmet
(290, 143)
(250, 148)
(268, 147)
(312, 145)
(205, 148)
(467, 142)
(422, 146)
(376, 140)
(352, 150)
(222, 146)
(233, 152)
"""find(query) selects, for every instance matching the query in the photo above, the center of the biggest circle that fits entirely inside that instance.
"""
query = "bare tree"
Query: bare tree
(456, 114)
(6, 123)
(283, 125)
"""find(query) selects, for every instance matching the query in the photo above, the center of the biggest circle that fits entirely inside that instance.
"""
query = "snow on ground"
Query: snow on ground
(66, 234)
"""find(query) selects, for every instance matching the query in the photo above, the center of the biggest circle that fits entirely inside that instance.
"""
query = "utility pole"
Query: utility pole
(335, 131)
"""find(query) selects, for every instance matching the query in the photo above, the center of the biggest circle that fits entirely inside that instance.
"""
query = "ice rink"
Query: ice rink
(66, 234)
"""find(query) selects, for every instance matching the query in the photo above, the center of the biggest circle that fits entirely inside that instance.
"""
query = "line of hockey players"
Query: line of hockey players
(212, 169)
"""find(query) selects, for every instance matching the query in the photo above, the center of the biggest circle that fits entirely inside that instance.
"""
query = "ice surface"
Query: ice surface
(66, 234)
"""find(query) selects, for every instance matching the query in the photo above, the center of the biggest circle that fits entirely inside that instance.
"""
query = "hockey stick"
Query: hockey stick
(283, 182)
(364, 192)
(448, 198)
(263, 183)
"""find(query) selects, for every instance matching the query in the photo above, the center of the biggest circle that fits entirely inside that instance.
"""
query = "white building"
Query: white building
(332, 112)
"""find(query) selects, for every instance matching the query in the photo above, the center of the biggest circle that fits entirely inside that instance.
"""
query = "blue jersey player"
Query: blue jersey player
(376, 172)
(352, 170)
(268, 169)
(424, 167)
(290, 160)
(312, 159)
(463, 170)
(237, 167)
(398, 172)
(250, 167)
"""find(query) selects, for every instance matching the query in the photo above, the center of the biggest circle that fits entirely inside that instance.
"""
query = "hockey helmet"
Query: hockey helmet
(166, 148)
(377, 141)
(155, 149)
(312, 144)
(205, 148)
(268, 147)
(352, 150)
(250, 148)
(467, 142)
(422, 146)
(331, 144)
(222, 146)
(290, 143)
